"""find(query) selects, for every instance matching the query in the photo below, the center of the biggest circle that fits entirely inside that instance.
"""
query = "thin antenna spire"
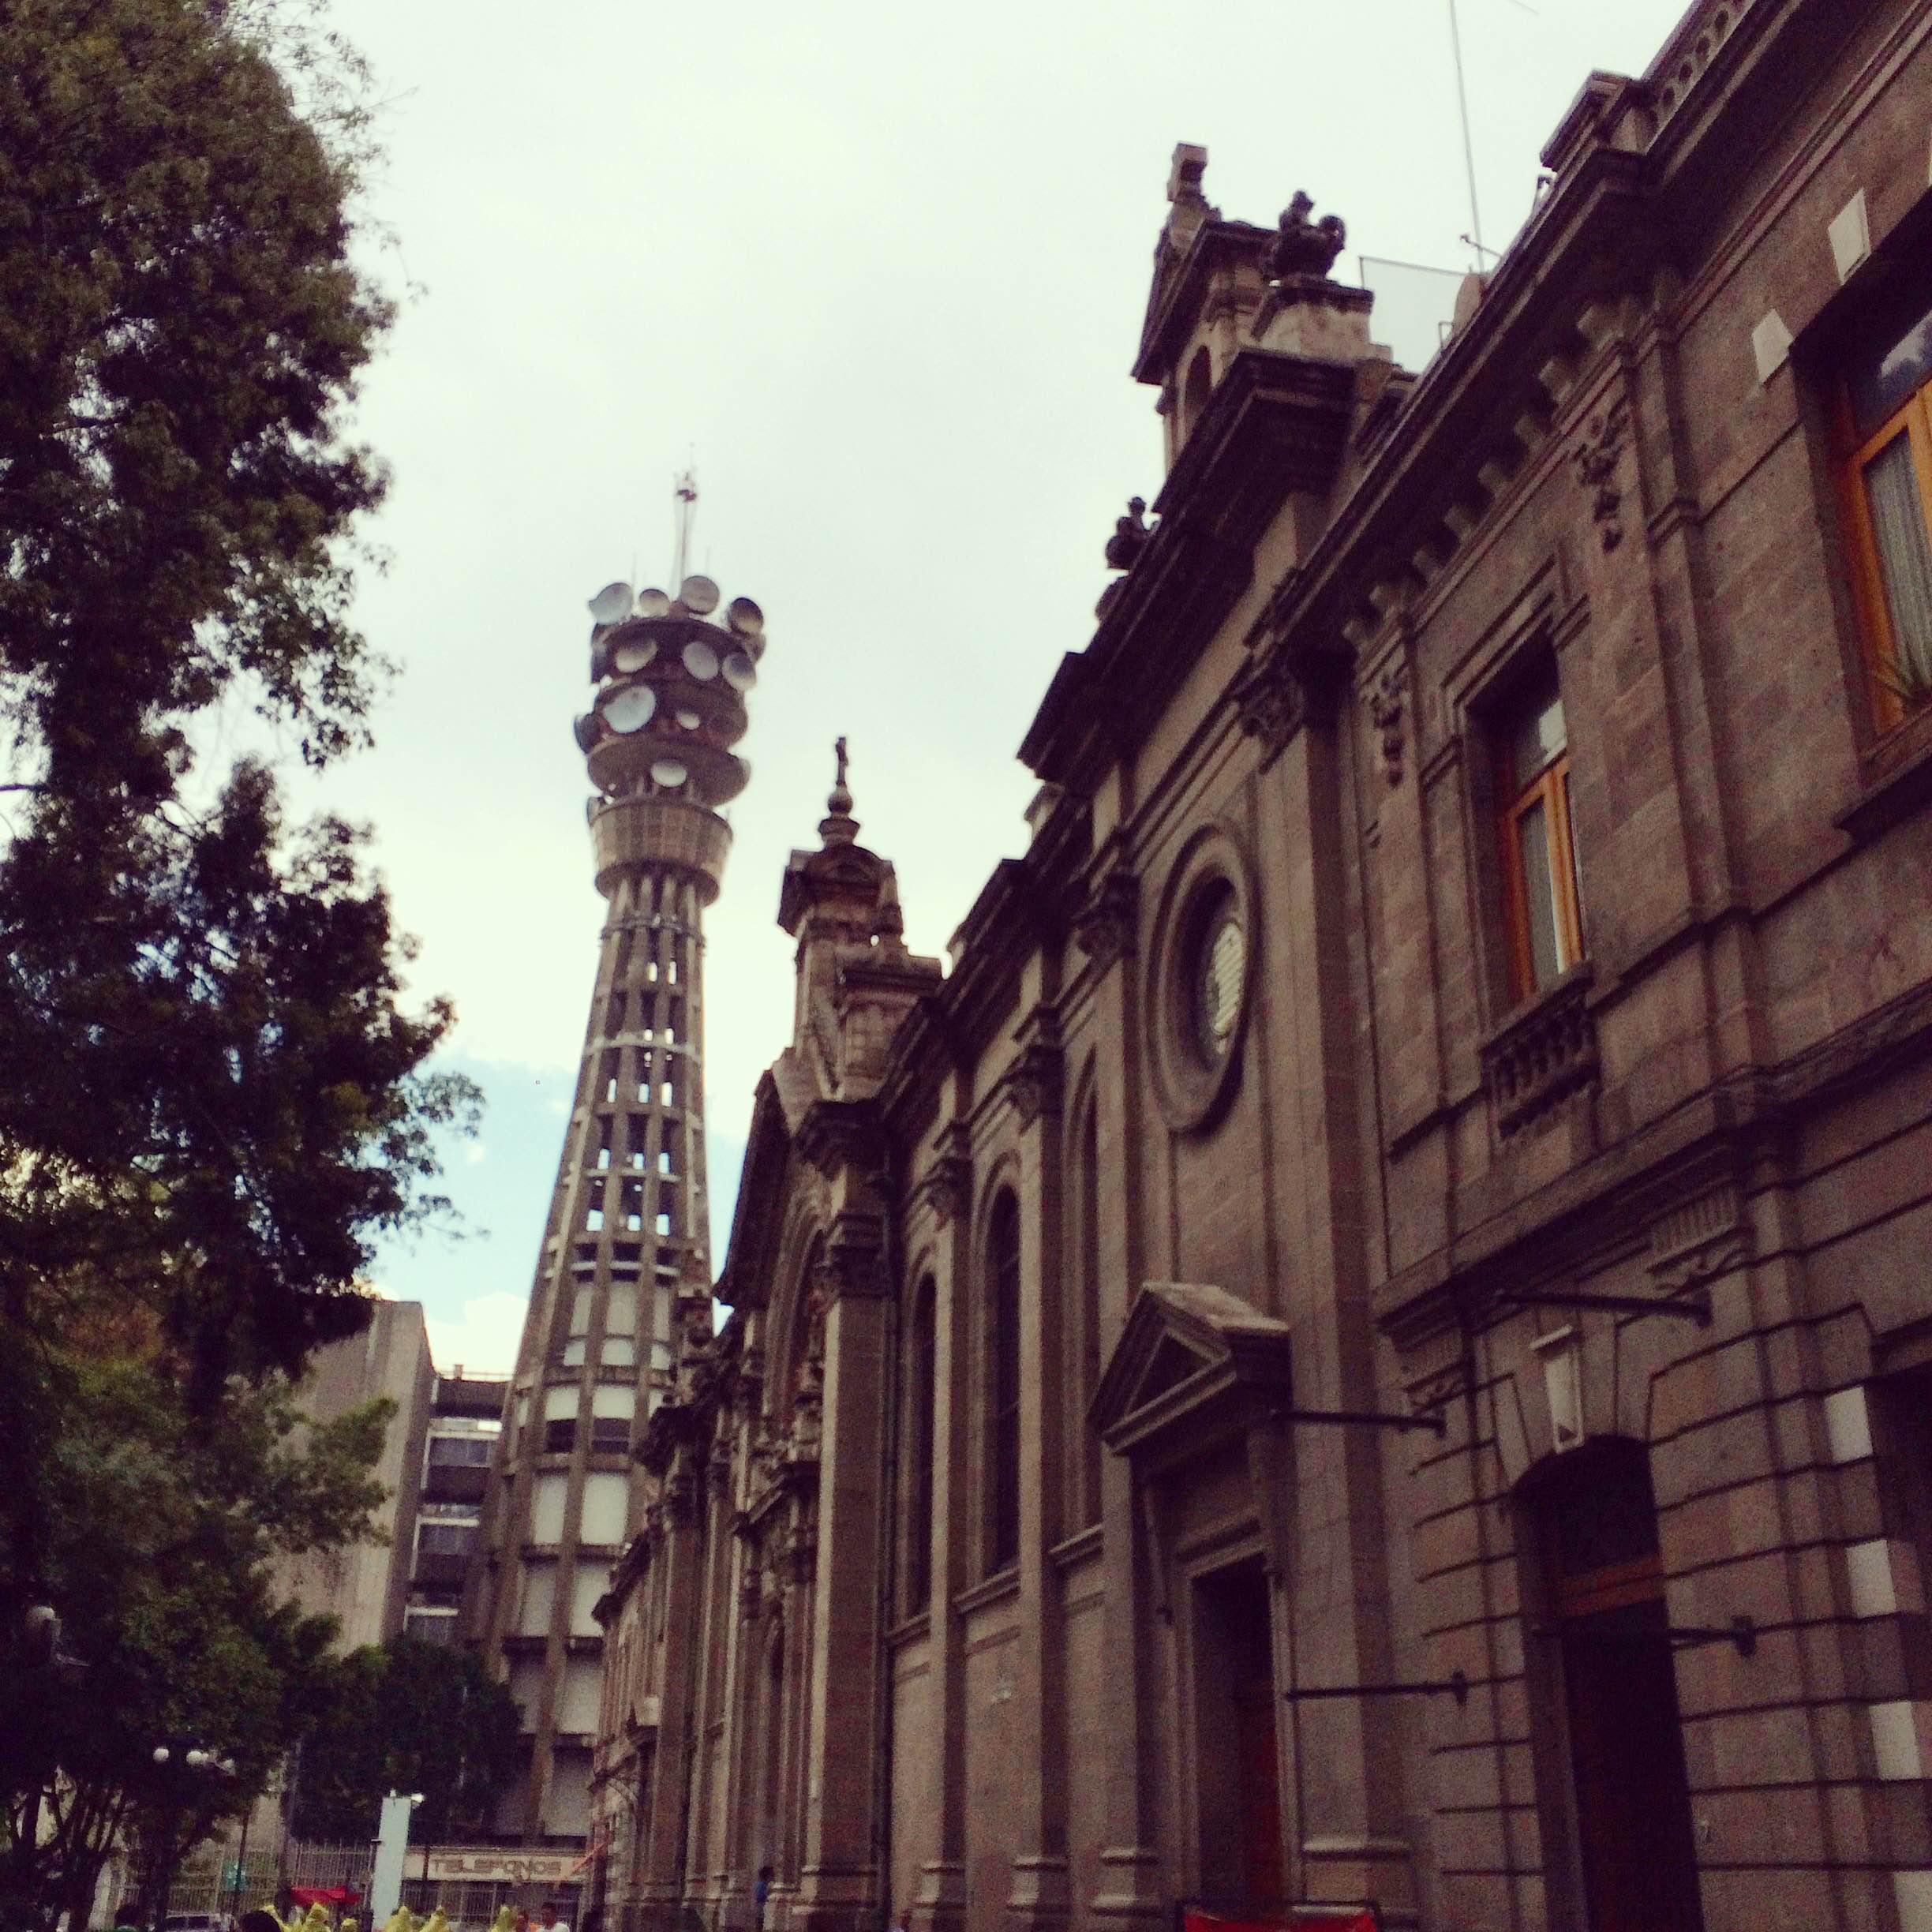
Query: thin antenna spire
(1469, 151)
(685, 494)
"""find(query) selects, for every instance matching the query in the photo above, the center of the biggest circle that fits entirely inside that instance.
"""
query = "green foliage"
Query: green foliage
(208, 1092)
(212, 1100)
(163, 1533)
(409, 1717)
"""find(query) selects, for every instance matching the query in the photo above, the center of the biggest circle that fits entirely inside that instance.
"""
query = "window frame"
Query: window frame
(1878, 647)
(1002, 1395)
(1550, 787)
(922, 1444)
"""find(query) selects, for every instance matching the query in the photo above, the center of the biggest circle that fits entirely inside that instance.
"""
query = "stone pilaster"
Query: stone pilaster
(938, 1902)
(838, 1877)
(680, 1551)
(1039, 1898)
(1346, 1796)
(1129, 1896)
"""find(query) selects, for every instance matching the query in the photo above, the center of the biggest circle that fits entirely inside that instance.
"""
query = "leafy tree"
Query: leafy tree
(160, 1558)
(212, 1099)
(409, 1717)
(208, 1092)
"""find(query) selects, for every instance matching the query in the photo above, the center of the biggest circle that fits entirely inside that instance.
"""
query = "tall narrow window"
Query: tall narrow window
(1543, 903)
(921, 1388)
(1002, 1391)
(1886, 427)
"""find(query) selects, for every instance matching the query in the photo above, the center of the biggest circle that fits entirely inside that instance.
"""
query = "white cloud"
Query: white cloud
(483, 1338)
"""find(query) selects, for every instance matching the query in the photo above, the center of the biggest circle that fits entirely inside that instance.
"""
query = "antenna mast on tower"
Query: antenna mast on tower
(1475, 236)
(685, 494)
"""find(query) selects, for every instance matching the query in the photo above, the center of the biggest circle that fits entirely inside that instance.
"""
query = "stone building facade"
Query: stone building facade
(1368, 1339)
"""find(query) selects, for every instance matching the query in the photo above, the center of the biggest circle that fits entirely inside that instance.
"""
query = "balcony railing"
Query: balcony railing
(1541, 1057)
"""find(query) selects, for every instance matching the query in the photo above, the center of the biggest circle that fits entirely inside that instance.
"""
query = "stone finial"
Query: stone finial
(888, 920)
(1189, 208)
(839, 827)
(1305, 247)
(1184, 177)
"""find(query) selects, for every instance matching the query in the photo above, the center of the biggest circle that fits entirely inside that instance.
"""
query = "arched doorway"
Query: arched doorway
(1616, 1748)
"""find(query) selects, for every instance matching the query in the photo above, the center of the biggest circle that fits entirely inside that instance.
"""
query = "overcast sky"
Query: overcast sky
(879, 270)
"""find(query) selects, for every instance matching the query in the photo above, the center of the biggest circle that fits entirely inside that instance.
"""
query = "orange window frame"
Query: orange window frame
(1912, 419)
(1550, 789)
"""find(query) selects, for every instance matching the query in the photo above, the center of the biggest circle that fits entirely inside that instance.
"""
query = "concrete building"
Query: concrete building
(465, 1421)
(625, 1257)
(1370, 1341)
(366, 1587)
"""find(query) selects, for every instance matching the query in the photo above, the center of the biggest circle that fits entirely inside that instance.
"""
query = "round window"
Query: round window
(1207, 947)
(1220, 959)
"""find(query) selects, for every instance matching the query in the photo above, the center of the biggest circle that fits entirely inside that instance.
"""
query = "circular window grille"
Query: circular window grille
(1220, 967)
(1205, 951)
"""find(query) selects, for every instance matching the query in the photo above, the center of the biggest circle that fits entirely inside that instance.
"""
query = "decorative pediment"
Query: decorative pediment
(1191, 1354)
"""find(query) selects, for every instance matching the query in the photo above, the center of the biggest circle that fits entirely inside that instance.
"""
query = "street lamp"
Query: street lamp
(196, 1757)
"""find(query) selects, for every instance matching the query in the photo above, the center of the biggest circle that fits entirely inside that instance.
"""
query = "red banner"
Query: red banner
(1309, 1918)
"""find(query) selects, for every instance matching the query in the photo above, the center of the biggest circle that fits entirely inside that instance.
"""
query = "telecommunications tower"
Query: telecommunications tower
(626, 1256)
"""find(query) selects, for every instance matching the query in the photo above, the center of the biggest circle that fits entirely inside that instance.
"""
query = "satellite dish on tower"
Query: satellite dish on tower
(698, 595)
(631, 709)
(611, 605)
(745, 617)
(652, 604)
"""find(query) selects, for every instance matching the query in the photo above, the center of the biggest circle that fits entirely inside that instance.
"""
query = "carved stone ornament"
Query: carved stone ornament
(1130, 537)
(1386, 700)
(1305, 247)
(1544, 1058)
(1699, 1241)
(1103, 928)
(1032, 1082)
(853, 1267)
(1596, 455)
(947, 1186)
(1272, 705)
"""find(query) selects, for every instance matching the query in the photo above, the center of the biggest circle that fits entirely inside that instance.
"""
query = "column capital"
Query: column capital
(837, 1135)
(853, 1267)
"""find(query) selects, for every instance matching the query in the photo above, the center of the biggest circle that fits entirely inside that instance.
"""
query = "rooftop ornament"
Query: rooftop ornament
(1304, 248)
(1130, 536)
(839, 827)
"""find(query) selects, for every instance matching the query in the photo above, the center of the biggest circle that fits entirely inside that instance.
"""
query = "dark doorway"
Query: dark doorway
(1238, 1742)
(1603, 1585)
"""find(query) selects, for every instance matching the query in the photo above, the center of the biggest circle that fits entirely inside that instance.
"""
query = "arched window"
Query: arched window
(1616, 1811)
(921, 1343)
(1002, 1384)
(804, 1343)
(1083, 1330)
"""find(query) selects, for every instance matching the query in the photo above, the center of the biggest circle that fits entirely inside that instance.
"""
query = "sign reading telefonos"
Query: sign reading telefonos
(485, 1865)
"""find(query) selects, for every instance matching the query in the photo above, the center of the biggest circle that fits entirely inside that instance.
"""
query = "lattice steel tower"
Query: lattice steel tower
(626, 1255)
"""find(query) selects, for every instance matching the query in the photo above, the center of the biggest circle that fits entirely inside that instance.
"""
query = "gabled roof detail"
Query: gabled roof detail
(1188, 1347)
